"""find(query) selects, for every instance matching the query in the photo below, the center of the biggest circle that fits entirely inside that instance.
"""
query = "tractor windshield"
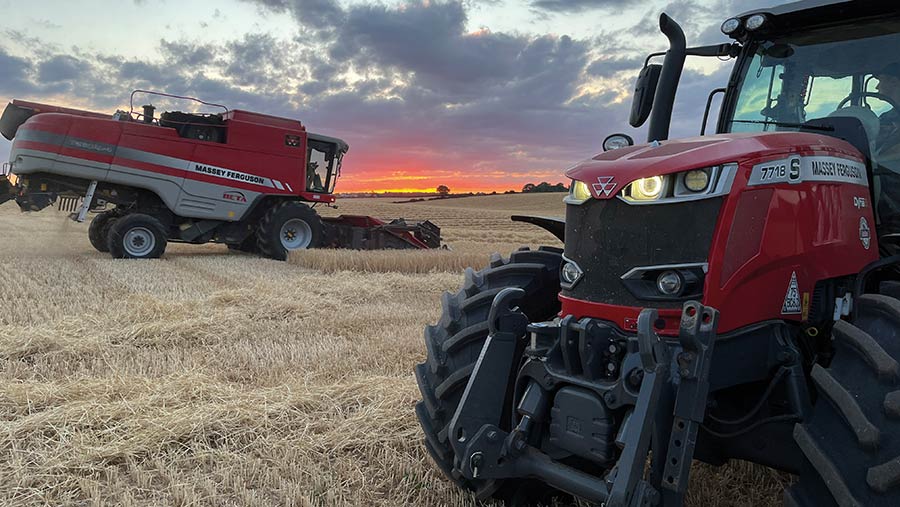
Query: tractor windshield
(804, 76)
(842, 71)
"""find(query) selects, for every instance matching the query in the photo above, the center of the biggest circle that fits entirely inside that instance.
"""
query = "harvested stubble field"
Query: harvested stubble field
(213, 378)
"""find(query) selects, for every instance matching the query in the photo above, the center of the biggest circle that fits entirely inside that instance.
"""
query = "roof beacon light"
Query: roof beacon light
(754, 22)
(730, 26)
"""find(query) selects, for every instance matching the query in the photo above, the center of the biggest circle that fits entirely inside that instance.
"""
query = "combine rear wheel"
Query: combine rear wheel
(453, 346)
(852, 440)
(137, 236)
(288, 226)
(98, 231)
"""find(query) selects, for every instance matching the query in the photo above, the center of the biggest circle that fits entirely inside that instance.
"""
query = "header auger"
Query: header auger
(728, 296)
(248, 180)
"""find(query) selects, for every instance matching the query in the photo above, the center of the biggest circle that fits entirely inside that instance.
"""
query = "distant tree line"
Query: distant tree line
(544, 187)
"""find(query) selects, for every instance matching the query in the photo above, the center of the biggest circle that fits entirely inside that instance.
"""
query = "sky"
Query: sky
(478, 95)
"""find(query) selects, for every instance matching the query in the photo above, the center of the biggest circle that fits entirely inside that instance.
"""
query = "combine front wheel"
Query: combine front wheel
(454, 343)
(98, 231)
(137, 236)
(288, 226)
(851, 443)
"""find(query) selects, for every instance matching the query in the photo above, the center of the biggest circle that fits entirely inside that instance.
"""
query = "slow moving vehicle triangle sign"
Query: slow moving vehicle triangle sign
(792, 298)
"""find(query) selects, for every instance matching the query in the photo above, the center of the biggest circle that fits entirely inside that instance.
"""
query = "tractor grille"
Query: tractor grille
(607, 238)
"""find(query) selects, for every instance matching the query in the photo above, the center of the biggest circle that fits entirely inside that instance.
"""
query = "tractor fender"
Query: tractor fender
(555, 226)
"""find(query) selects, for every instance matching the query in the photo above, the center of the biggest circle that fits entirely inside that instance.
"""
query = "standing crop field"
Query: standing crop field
(213, 378)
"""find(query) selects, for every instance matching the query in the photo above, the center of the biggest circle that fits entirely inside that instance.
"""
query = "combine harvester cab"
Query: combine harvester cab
(245, 179)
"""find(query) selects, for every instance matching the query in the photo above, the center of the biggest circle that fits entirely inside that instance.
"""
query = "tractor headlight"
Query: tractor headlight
(696, 180)
(616, 141)
(754, 22)
(647, 189)
(579, 192)
(669, 283)
(569, 274)
(682, 186)
(730, 26)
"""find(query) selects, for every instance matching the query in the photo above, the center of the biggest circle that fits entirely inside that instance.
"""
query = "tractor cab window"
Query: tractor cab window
(319, 165)
(843, 71)
(816, 74)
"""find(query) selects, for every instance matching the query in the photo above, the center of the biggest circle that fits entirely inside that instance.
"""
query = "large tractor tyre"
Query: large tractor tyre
(137, 236)
(98, 231)
(851, 442)
(453, 346)
(286, 227)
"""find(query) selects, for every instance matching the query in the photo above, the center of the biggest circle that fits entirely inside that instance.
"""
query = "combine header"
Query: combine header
(245, 179)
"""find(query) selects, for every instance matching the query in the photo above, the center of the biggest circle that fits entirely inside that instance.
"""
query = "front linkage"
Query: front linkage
(667, 385)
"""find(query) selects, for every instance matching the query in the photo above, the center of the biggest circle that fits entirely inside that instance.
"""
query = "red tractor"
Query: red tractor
(728, 296)
(240, 178)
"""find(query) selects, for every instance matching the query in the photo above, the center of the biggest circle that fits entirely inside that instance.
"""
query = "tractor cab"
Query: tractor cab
(837, 80)
(816, 67)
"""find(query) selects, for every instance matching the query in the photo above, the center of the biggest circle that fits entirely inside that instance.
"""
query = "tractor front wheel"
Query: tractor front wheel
(453, 346)
(137, 236)
(851, 442)
(286, 227)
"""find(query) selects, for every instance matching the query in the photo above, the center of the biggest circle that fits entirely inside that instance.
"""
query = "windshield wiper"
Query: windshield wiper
(807, 126)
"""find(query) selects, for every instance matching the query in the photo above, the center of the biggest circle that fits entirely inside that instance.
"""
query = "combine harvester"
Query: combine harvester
(248, 180)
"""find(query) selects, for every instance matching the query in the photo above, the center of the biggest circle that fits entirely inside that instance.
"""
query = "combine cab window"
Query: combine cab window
(319, 165)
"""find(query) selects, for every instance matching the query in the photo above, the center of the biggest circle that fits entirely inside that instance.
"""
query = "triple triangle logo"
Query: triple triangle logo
(792, 298)
(604, 186)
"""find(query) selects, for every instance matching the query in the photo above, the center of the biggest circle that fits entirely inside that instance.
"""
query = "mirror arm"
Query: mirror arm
(729, 50)
(652, 55)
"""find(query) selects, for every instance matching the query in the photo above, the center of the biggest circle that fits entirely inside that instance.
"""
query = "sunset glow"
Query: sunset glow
(477, 96)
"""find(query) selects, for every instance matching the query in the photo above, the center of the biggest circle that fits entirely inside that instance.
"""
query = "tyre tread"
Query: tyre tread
(825, 467)
(867, 434)
(868, 348)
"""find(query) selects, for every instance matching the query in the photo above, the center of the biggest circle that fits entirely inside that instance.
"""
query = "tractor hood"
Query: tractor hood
(608, 173)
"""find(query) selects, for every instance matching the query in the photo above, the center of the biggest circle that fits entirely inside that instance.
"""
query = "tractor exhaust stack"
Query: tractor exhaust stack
(663, 100)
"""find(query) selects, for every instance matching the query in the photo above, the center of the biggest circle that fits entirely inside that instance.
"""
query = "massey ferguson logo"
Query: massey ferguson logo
(865, 236)
(234, 196)
(604, 186)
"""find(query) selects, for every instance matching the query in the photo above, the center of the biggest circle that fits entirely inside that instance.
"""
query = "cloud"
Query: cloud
(59, 68)
(575, 6)
(313, 13)
(15, 72)
(411, 87)
(186, 53)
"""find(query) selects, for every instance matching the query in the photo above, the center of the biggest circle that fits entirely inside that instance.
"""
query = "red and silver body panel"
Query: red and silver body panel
(194, 178)
(798, 211)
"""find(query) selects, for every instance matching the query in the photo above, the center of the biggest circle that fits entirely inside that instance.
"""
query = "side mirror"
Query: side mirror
(644, 90)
